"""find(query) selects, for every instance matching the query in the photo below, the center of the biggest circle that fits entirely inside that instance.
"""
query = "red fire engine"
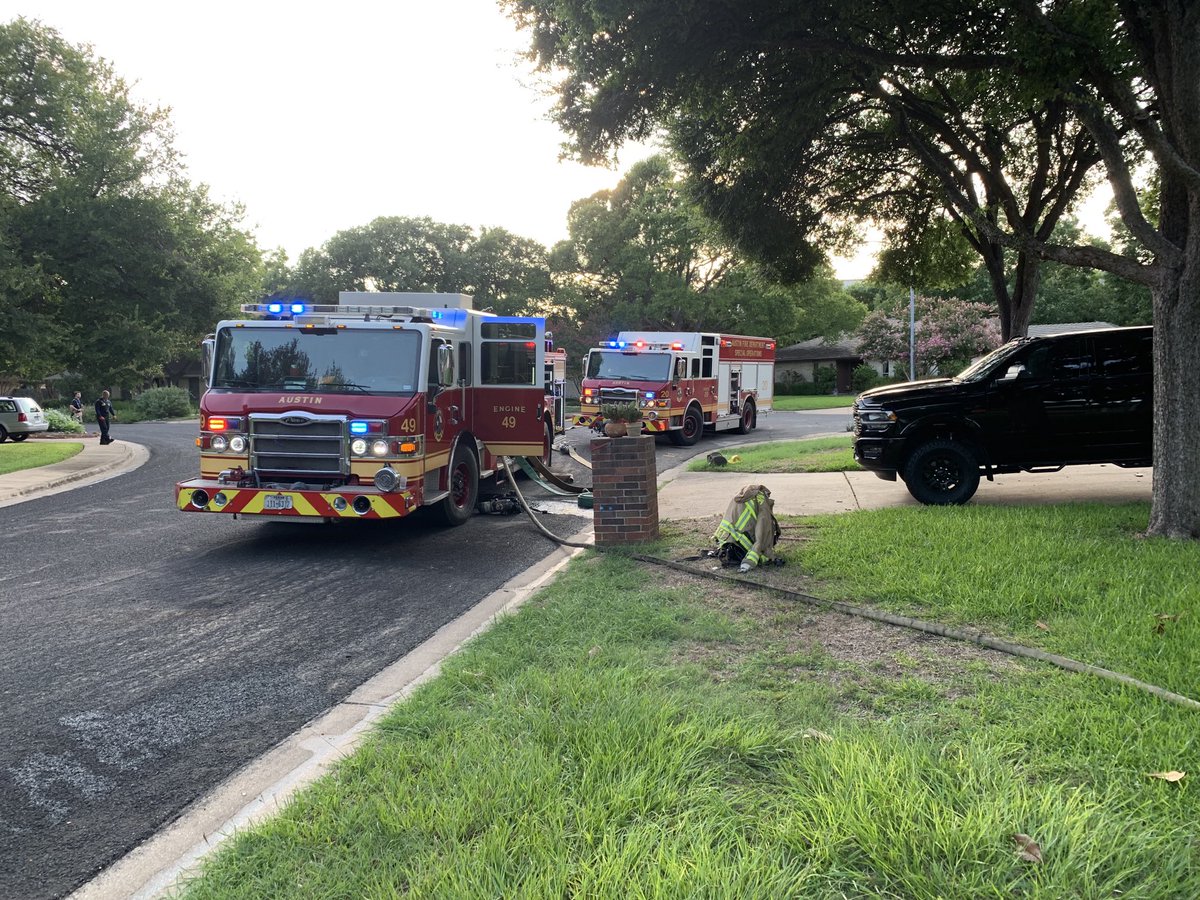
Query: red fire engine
(371, 408)
(683, 382)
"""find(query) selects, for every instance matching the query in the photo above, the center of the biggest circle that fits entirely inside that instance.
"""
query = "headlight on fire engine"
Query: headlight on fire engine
(218, 443)
(237, 444)
(379, 448)
(358, 447)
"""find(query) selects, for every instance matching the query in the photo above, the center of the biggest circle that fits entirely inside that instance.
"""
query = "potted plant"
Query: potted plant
(619, 416)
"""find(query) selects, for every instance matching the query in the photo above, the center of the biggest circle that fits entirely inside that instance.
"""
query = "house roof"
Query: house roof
(1066, 328)
(820, 349)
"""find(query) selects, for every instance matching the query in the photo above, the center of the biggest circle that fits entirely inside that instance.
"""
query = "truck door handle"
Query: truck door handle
(453, 415)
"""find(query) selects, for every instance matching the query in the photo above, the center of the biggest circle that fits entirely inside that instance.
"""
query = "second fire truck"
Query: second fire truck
(371, 408)
(683, 381)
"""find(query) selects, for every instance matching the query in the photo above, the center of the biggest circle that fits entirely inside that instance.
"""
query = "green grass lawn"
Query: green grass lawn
(33, 453)
(790, 403)
(638, 732)
(832, 454)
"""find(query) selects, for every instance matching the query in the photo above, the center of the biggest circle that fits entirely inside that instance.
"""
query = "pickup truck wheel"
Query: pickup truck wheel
(942, 473)
(3, 435)
(18, 437)
(747, 424)
(693, 427)
(459, 506)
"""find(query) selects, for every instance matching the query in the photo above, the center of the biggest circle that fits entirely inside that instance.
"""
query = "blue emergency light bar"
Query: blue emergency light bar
(277, 309)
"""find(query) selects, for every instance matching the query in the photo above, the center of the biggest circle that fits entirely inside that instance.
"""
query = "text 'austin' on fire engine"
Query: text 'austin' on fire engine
(683, 381)
(370, 408)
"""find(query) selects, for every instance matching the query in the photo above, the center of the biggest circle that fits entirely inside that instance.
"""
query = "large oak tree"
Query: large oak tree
(773, 104)
(111, 263)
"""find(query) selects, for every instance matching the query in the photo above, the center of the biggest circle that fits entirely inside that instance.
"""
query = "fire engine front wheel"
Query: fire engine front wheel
(456, 508)
(693, 427)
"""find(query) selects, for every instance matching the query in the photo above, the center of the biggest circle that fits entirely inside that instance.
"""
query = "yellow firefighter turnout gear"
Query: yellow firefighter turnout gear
(748, 533)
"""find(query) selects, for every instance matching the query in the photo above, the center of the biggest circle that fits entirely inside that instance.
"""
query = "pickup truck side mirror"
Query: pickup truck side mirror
(1015, 371)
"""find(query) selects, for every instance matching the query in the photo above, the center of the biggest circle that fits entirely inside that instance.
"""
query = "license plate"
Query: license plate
(277, 501)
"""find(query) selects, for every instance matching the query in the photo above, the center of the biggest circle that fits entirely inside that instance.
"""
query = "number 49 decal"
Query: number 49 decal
(408, 426)
(508, 422)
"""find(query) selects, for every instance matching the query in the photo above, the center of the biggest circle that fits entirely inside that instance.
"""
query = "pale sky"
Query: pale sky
(322, 117)
(319, 117)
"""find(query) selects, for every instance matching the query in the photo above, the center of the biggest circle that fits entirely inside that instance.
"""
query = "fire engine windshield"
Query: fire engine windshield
(617, 366)
(342, 360)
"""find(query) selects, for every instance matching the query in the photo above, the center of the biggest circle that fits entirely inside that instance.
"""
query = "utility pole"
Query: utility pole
(912, 335)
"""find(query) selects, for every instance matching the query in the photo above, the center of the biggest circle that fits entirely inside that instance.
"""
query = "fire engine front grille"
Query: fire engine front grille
(618, 395)
(297, 445)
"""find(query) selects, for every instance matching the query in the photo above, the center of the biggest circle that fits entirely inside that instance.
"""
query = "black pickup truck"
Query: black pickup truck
(1033, 405)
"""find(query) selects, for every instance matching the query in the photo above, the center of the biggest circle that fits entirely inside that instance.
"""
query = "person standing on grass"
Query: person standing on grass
(104, 417)
(77, 407)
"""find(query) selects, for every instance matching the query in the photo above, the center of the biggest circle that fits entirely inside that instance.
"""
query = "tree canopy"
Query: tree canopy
(955, 91)
(111, 263)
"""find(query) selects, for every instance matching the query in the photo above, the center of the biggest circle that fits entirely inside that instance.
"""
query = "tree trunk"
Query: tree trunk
(1024, 292)
(1175, 507)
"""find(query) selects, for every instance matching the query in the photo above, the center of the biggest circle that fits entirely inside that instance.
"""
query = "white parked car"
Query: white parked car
(20, 417)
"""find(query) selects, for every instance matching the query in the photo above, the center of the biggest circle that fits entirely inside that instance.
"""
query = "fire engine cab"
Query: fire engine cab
(683, 382)
(370, 408)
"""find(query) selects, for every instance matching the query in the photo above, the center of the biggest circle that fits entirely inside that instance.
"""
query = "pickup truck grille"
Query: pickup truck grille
(299, 445)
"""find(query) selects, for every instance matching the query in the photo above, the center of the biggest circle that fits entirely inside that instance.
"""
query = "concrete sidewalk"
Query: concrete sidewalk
(94, 463)
(690, 495)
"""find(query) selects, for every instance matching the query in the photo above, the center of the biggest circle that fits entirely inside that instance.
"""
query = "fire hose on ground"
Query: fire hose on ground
(978, 638)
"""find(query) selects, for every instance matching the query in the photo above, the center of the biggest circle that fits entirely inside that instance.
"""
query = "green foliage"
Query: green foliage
(34, 454)
(611, 742)
(163, 403)
(112, 263)
(503, 272)
(834, 454)
(949, 333)
(824, 379)
(62, 421)
(793, 403)
(864, 378)
(621, 412)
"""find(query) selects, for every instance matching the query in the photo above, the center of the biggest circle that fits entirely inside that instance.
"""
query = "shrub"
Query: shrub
(163, 403)
(824, 379)
(864, 378)
(62, 422)
(621, 412)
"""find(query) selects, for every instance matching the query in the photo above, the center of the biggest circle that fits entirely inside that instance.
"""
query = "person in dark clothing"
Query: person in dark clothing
(77, 407)
(104, 417)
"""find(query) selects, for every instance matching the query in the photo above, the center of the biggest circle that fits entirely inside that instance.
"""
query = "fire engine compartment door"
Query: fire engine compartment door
(509, 360)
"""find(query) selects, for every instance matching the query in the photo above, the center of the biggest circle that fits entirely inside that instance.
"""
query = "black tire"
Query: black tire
(3, 435)
(463, 483)
(693, 428)
(548, 445)
(942, 473)
(18, 437)
(746, 425)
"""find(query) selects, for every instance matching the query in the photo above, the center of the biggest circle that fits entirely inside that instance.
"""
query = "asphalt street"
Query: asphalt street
(147, 654)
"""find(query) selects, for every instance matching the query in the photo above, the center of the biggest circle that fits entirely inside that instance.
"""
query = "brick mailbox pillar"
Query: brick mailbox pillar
(624, 490)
